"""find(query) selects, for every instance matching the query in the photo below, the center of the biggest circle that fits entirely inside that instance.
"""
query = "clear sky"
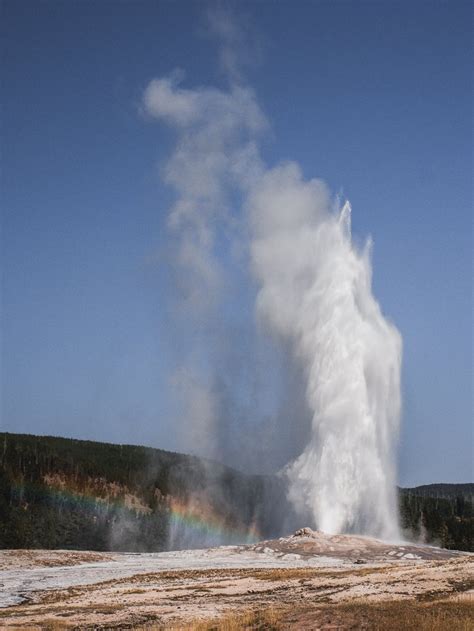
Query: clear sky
(373, 97)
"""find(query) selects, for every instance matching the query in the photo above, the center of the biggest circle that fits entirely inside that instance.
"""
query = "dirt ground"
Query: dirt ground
(365, 589)
(29, 559)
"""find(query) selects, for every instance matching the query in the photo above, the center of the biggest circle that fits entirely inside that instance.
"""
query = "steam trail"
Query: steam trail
(314, 294)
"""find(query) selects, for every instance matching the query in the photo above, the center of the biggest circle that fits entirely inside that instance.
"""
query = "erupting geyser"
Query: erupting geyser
(316, 292)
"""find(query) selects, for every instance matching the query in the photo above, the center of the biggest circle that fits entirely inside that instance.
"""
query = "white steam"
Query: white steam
(316, 291)
(214, 155)
(215, 152)
(314, 295)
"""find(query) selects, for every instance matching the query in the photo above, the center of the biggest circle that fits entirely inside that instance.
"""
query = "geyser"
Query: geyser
(313, 293)
(316, 292)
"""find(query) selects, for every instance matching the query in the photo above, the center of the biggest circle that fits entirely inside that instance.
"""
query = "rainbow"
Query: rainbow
(200, 523)
(191, 523)
(67, 496)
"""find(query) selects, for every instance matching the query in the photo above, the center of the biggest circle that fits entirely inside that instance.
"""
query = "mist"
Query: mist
(263, 241)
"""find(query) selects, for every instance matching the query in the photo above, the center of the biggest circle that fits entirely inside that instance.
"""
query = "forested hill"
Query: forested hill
(66, 493)
(442, 514)
(447, 491)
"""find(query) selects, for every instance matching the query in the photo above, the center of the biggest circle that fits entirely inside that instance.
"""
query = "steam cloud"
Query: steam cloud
(313, 295)
(316, 291)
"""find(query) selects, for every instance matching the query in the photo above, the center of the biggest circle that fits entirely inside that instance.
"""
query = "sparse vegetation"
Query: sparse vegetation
(426, 595)
(381, 616)
(263, 620)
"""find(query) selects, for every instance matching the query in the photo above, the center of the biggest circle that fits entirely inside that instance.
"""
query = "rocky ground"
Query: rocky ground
(306, 581)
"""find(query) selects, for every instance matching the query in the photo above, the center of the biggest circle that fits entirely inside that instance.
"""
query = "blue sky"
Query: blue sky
(373, 97)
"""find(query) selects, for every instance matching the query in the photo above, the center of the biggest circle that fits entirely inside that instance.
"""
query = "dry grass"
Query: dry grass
(408, 615)
(289, 574)
(46, 625)
(411, 616)
(385, 616)
(266, 620)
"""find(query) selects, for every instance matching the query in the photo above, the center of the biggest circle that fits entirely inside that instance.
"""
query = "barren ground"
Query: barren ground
(309, 581)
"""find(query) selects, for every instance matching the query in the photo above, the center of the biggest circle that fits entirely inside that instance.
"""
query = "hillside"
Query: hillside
(74, 494)
(441, 514)
(66, 493)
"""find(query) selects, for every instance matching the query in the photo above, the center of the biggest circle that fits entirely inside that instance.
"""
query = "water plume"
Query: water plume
(316, 292)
